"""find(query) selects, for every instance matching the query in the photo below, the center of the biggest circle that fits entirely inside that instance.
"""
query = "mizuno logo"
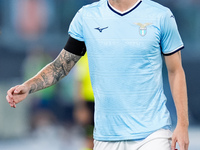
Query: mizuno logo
(100, 29)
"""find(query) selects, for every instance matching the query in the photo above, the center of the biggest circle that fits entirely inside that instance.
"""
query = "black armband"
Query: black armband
(75, 47)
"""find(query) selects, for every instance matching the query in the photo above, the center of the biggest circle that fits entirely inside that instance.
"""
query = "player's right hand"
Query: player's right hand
(17, 94)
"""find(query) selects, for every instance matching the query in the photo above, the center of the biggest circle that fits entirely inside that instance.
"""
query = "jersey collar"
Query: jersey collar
(124, 12)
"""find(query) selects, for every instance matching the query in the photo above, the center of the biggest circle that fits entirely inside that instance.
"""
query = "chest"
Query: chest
(131, 35)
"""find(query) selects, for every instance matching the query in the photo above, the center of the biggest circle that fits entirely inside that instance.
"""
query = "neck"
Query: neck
(122, 5)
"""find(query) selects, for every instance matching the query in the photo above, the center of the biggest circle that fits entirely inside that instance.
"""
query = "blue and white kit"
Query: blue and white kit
(125, 60)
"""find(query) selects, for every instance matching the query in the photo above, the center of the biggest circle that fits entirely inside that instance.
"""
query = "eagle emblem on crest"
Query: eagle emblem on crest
(143, 28)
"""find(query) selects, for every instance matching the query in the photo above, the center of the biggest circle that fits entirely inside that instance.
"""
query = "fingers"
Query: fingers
(181, 137)
(11, 101)
(173, 145)
(16, 94)
(187, 145)
(19, 89)
(10, 97)
(14, 105)
(18, 98)
(184, 146)
(11, 91)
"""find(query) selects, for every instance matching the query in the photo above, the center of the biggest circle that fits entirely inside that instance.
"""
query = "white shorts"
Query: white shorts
(159, 140)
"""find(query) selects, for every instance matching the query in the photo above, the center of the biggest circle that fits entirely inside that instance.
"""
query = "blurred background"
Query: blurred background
(32, 33)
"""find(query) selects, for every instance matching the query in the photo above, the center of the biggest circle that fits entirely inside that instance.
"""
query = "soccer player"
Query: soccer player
(125, 41)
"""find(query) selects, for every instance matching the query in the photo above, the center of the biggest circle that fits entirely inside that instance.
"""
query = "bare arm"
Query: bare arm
(179, 92)
(49, 75)
(53, 72)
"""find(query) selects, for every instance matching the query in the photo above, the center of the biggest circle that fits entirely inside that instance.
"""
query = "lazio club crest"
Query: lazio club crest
(143, 28)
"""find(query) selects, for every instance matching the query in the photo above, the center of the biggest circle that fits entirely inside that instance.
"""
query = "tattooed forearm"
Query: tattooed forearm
(54, 71)
(37, 85)
(33, 88)
(45, 78)
(58, 74)
(70, 60)
(63, 64)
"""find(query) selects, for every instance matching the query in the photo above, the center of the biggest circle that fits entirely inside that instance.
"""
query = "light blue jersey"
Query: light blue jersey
(125, 61)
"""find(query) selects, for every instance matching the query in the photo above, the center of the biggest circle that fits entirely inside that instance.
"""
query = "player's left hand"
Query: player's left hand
(181, 137)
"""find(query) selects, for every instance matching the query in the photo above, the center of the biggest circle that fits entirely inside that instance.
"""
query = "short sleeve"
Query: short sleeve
(76, 26)
(171, 41)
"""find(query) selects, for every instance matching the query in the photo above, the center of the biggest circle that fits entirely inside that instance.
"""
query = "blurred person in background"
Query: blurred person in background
(124, 41)
(84, 106)
(31, 17)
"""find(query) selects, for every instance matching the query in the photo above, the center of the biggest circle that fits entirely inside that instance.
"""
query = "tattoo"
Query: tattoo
(63, 64)
(33, 88)
(45, 78)
(55, 71)
(37, 85)
(70, 60)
